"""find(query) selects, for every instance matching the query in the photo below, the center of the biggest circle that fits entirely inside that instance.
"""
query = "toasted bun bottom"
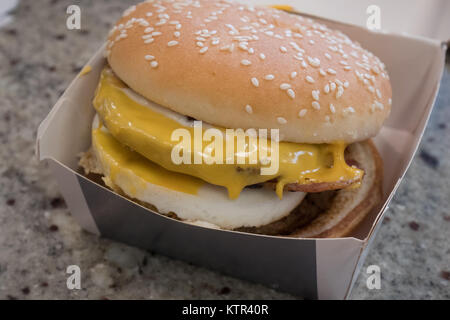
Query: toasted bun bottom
(329, 214)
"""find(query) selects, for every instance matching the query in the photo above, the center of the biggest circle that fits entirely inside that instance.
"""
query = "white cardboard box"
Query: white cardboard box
(426, 18)
(311, 268)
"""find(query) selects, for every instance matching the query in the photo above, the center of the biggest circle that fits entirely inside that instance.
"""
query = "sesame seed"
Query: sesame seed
(242, 46)
(251, 50)
(332, 48)
(249, 109)
(293, 74)
(283, 49)
(298, 57)
(149, 40)
(285, 86)
(203, 50)
(314, 62)
(121, 36)
(316, 105)
(172, 43)
(328, 55)
(156, 33)
(379, 105)
(281, 120)
(154, 64)
(332, 108)
(310, 79)
(149, 57)
(333, 86)
(302, 113)
(339, 92)
(378, 93)
(316, 94)
(176, 34)
(245, 62)
(199, 44)
(311, 41)
(255, 82)
(148, 30)
(269, 77)
(331, 71)
(322, 73)
(178, 26)
(346, 84)
(326, 89)
(161, 22)
(349, 110)
(371, 89)
(291, 93)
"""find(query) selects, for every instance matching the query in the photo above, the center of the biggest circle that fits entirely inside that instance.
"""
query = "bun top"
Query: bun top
(239, 66)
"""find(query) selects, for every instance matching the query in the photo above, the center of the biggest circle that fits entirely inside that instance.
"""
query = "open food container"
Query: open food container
(310, 268)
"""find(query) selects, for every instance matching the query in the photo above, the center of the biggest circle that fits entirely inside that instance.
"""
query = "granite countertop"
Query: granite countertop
(39, 238)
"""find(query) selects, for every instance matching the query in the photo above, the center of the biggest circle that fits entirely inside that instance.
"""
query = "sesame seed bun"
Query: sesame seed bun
(242, 67)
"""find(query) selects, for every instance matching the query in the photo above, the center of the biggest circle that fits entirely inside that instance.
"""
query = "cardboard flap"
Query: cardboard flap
(66, 129)
(424, 18)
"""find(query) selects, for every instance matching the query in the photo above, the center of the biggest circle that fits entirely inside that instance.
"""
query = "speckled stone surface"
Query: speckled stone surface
(39, 239)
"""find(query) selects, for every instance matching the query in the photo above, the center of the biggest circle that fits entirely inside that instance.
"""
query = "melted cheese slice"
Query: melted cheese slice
(192, 199)
(147, 128)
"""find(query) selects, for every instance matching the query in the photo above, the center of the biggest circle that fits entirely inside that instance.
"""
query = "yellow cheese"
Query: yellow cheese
(85, 70)
(284, 7)
(149, 133)
(117, 157)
